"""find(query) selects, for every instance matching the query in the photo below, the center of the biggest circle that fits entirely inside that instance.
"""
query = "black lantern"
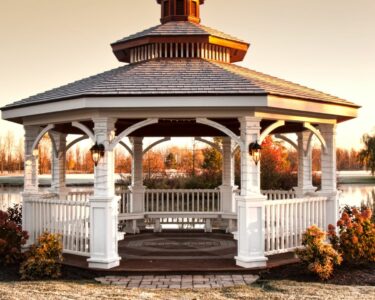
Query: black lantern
(254, 151)
(97, 152)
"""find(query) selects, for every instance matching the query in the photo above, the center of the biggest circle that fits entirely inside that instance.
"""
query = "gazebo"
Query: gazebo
(180, 80)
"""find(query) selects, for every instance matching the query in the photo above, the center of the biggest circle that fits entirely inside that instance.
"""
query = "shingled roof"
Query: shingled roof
(179, 28)
(179, 77)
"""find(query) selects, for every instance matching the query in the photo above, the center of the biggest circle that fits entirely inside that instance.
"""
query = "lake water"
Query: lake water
(355, 194)
(351, 194)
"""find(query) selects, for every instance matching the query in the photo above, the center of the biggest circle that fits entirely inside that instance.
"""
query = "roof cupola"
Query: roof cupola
(180, 10)
(180, 35)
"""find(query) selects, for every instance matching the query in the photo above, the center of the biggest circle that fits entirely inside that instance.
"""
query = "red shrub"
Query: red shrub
(11, 239)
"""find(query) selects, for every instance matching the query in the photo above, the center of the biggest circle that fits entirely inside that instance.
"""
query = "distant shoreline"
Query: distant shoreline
(74, 180)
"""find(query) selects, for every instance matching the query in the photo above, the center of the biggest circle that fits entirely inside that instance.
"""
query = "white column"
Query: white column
(138, 190)
(31, 191)
(104, 203)
(31, 159)
(328, 168)
(227, 188)
(304, 165)
(58, 160)
(250, 205)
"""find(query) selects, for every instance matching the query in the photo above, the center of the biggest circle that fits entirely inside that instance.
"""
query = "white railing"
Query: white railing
(182, 201)
(286, 220)
(79, 196)
(5, 201)
(68, 218)
(9, 199)
(279, 194)
(124, 202)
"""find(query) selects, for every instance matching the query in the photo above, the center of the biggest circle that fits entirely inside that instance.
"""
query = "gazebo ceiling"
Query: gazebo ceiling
(180, 128)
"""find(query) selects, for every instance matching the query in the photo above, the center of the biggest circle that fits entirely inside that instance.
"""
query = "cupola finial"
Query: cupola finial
(180, 10)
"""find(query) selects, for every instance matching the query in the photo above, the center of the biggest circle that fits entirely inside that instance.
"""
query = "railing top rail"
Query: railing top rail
(182, 190)
(61, 202)
(278, 191)
(295, 201)
(80, 193)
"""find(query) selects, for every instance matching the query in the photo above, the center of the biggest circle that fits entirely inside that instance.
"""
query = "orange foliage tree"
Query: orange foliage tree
(275, 166)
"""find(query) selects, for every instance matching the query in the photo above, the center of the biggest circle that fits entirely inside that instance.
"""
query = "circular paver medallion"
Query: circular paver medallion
(181, 244)
(176, 247)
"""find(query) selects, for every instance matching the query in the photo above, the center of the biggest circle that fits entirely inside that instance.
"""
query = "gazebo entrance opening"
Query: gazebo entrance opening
(279, 223)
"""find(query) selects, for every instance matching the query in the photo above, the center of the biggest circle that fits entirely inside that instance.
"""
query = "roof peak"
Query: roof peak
(180, 10)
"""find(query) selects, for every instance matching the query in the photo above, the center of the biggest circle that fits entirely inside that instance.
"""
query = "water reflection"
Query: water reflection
(356, 194)
(352, 194)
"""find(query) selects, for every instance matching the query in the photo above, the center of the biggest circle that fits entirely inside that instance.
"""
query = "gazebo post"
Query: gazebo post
(250, 204)
(137, 187)
(328, 167)
(304, 165)
(31, 183)
(104, 203)
(227, 187)
(58, 168)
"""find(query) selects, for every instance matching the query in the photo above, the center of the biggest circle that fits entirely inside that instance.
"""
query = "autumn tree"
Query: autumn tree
(123, 162)
(275, 167)
(367, 154)
(44, 148)
(170, 161)
(212, 159)
(153, 162)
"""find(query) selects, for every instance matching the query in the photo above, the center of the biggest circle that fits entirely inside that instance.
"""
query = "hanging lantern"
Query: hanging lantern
(97, 152)
(254, 151)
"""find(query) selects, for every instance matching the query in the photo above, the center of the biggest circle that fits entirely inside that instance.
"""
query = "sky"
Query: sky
(325, 45)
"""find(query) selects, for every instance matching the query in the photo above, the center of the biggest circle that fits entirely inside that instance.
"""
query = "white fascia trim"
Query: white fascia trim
(137, 102)
(313, 107)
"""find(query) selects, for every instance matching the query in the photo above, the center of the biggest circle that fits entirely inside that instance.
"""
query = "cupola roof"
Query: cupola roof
(180, 35)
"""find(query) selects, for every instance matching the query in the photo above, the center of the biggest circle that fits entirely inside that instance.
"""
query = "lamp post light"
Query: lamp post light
(97, 152)
(254, 151)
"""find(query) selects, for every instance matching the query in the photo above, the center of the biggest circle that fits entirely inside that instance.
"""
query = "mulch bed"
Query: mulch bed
(362, 275)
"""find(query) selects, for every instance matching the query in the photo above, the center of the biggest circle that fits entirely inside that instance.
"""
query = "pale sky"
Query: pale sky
(328, 45)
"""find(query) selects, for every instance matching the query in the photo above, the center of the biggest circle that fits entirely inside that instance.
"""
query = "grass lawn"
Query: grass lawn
(287, 282)
(268, 289)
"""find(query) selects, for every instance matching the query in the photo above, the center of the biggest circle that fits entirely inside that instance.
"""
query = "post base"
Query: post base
(104, 264)
(251, 262)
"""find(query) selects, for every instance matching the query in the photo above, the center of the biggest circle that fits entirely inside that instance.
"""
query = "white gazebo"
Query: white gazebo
(180, 81)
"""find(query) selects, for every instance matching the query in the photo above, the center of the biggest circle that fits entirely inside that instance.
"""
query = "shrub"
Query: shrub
(15, 214)
(44, 259)
(356, 239)
(11, 240)
(319, 256)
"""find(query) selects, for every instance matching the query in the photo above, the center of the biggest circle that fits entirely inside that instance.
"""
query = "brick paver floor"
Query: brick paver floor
(178, 281)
